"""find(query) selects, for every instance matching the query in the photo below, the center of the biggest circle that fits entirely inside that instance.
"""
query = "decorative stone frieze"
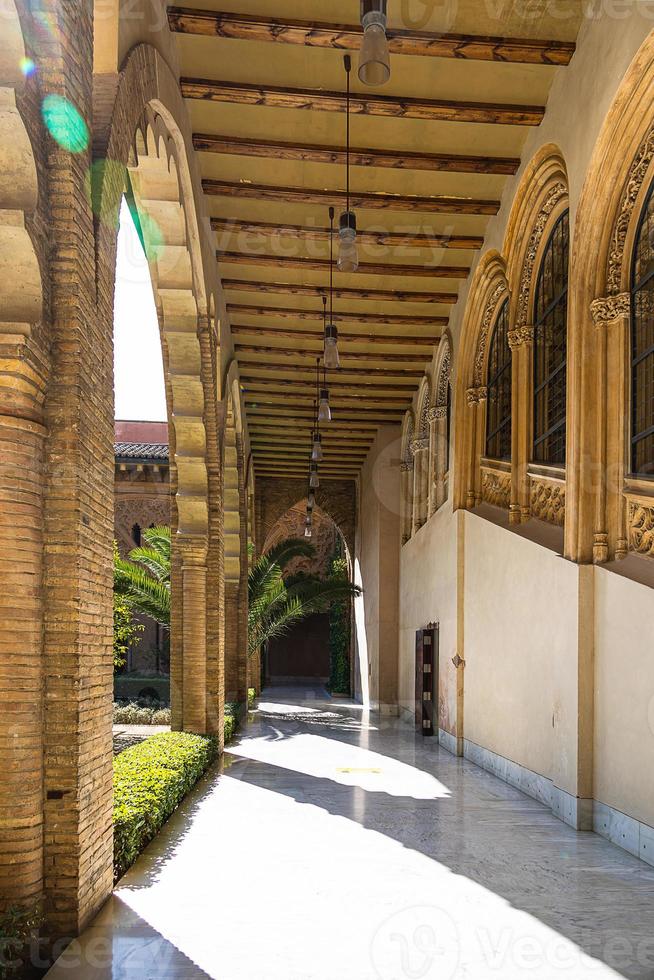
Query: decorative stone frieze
(521, 336)
(419, 445)
(634, 182)
(498, 294)
(496, 488)
(438, 412)
(640, 527)
(547, 501)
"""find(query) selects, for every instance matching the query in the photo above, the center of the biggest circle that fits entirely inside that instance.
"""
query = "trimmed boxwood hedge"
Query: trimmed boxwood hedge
(150, 780)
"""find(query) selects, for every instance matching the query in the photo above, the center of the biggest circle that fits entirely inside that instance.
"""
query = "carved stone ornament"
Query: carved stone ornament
(496, 488)
(640, 527)
(444, 379)
(634, 182)
(418, 445)
(610, 308)
(424, 412)
(406, 466)
(439, 412)
(555, 194)
(476, 395)
(548, 501)
(520, 336)
(482, 341)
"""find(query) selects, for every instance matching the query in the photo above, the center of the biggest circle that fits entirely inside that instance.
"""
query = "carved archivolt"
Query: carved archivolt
(547, 500)
(444, 379)
(496, 488)
(498, 294)
(423, 409)
(418, 445)
(555, 194)
(640, 527)
(520, 336)
(438, 412)
(637, 175)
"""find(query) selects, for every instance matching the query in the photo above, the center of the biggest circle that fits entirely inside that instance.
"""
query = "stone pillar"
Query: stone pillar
(438, 425)
(522, 402)
(22, 386)
(419, 450)
(406, 498)
(193, 550)
(609, 534)
(475, 398)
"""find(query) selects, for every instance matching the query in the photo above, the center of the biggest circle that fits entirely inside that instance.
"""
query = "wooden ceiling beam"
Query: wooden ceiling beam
(469, 47)
(282, 439)
(340, 292)
(248, 366)
(345, 338)
(336, 390)
(342, 403)
(362, 430)
(232, 226)
(372, 200)
(391, 159)
(322, 265)
(357, 380)
(345, 355)
(388, 319)
(354, 415)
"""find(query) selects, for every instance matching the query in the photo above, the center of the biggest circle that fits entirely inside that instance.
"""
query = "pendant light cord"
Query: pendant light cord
(348, 66)
(331, 265)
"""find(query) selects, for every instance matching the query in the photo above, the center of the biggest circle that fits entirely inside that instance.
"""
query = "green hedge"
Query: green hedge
(150, 780)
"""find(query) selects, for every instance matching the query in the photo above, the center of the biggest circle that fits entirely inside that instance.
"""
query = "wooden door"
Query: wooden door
(426, 709)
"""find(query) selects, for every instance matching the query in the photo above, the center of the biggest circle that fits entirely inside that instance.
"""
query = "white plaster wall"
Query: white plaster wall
(428, 570)
(624, 695)
(520, 627)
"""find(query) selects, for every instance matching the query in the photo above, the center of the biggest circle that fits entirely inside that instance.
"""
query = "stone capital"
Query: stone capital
(438, 412)
(476, 395)
(608, 309)
(521, 336)
(418, 445)
(406, 466)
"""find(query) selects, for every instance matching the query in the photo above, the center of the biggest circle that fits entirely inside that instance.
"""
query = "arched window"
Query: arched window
(642, 344)
(550, 347)
(498, 418)
(136, 535)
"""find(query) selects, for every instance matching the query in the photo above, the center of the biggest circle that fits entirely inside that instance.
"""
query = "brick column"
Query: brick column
(194, 632)
(22, 386)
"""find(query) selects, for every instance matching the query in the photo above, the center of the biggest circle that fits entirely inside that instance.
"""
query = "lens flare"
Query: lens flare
(64, 123)
(27, 67)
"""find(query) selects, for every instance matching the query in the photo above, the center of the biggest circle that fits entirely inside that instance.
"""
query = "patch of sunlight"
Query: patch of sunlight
(349, 765)
(320, 896)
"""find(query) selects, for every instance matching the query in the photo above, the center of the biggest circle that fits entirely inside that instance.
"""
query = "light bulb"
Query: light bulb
(307, 531)
(316, 452)
(348, 256)
(331, 347)
(314, 482)
(311, 500)
(374, 60)
(324, 411)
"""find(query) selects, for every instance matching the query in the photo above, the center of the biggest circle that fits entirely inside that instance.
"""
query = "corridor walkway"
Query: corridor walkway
(333, 847)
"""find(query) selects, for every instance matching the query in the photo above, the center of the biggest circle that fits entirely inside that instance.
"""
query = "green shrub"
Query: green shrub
(252, 697)
(136, 714)
(339, 636)
(150, 780)
(232, 719)
(17, 926)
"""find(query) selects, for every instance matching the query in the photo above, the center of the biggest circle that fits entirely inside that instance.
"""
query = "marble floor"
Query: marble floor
(334, 845)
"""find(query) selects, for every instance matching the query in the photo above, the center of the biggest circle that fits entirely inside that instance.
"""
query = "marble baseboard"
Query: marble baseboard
(629, 834)
(577, 813)
(448, 741)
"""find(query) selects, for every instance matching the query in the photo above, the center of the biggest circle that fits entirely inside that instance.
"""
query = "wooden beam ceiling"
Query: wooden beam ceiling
(229, 226)
(284, 313)
(248, 27)
(366, 104)
(388, 159)
(365, 268)
(377, 200)
(343, 337)
(340, 292)
(348, 355)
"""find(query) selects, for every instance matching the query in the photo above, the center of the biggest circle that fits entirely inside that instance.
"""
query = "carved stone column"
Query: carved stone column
(420, 452)
(406, 488)
(611, 318)
(475, 398)
(438, 422)
(522, 385)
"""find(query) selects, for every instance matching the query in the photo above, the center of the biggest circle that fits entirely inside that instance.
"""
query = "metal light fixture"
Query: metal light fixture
(316, 452)
(314, 481)
(330, 354)
(348, 257)
(374, 59)
(324, 411)
(307, 531)
(311, 500)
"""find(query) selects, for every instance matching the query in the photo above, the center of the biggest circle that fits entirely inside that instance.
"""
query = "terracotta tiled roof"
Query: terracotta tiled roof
(147, 451)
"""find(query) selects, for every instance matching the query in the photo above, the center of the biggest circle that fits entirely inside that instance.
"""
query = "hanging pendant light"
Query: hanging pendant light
(307, 531)
(330, 355)
(374, 59)
(348, 257)
(311, 500)
(314, 481)
(316, 452)
(324, 411)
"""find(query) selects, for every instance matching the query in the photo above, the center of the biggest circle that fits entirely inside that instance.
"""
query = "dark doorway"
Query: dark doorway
(302, 655)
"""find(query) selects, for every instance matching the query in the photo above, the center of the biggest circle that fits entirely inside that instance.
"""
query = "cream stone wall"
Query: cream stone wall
(624, 695)
(428, 570)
